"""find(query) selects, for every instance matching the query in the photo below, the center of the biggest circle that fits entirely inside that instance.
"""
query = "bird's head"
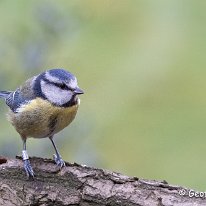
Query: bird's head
(58, 86)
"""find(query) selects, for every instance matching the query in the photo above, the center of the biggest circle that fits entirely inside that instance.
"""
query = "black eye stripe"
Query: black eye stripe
(63, 86)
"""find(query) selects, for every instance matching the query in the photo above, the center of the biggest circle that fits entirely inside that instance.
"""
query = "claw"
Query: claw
(28, 168)
(59, 161)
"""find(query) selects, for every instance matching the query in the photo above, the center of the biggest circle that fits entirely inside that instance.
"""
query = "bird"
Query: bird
(41, 107)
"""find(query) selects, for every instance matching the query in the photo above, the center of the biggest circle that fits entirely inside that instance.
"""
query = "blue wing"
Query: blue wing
(13, 99)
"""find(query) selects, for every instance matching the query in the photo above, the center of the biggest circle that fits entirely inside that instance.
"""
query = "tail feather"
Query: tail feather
(4, 94)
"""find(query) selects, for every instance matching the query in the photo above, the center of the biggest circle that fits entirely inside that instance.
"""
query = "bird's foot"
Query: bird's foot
(59, 161)
(28, 168)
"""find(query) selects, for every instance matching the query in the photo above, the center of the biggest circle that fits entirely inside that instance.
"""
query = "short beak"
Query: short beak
(78, 91)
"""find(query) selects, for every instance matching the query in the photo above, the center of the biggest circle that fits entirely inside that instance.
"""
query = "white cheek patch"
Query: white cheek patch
(55, 94)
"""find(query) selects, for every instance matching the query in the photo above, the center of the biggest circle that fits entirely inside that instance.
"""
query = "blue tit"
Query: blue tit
(44, 105)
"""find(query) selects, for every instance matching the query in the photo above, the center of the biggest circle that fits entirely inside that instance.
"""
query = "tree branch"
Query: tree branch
(79, 185)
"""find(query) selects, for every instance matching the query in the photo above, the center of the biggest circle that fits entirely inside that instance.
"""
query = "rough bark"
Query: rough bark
(81, 185)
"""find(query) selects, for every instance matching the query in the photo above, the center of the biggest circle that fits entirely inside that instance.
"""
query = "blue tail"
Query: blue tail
(4, 94)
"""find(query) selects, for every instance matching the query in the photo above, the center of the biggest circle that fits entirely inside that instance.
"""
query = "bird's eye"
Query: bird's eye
(63, 86)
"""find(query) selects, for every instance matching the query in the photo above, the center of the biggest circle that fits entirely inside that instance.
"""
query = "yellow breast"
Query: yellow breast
(40, 118)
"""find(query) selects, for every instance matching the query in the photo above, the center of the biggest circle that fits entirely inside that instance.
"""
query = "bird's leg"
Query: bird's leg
(27, 165)
(57, 157)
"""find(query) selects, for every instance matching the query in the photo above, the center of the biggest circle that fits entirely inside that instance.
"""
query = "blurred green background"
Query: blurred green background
(142, 64)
